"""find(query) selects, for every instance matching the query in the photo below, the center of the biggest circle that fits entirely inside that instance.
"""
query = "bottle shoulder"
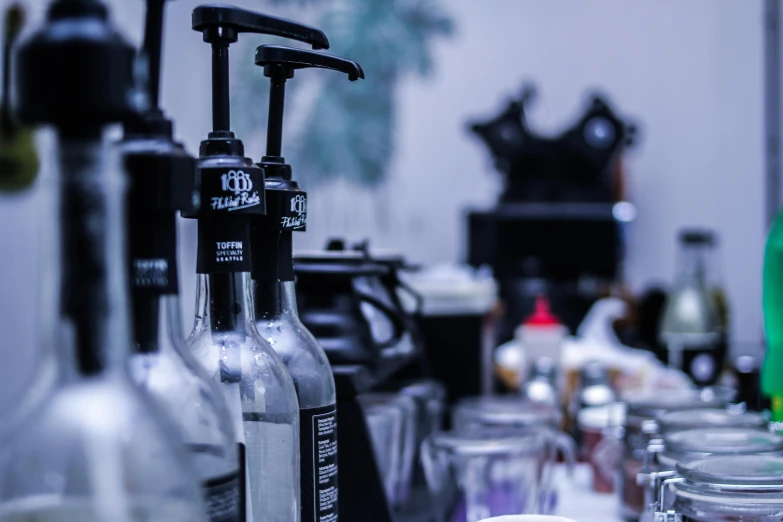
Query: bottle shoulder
(304, 358)
(96, 427)
(242, 362)
(188, 398)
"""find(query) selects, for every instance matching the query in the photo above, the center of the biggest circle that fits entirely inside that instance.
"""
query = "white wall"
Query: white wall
(689, 71)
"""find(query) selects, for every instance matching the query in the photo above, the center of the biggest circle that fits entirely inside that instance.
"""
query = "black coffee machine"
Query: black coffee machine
(349, 301)
(558, 225)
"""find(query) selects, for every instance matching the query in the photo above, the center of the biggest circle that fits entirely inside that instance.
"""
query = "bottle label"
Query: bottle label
(152, 245)
(223, 246)
(235, 191)
(701, 359)
(242, 486)
(318, 446)
(221, 496)
(287, 210)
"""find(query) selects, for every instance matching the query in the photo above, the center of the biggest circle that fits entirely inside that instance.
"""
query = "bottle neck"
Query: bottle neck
(153, 275)
(93, 285)
(157, 325)
(694, 266)
(273, 274)
(275, 300)
(224, 303)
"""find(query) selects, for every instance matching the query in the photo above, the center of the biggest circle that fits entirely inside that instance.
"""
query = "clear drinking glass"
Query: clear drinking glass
(479, 474)
(392, 421)
(517, 414)
(430, 397)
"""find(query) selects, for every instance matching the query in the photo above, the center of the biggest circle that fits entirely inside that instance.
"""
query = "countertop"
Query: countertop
(578, 501)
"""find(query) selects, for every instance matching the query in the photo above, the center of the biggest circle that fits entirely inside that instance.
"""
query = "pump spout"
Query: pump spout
(224, 23)
(279, 63)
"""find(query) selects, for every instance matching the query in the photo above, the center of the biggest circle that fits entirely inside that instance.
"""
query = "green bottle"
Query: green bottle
(772, 369)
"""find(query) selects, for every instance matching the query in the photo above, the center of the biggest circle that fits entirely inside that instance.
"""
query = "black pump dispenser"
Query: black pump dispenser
(276, 314)
(286, 202)
(75, 73)
(231, 185)
(221, 26)
(161, 176)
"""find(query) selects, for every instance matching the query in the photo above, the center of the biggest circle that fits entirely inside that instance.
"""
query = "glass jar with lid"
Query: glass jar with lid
(682, 446)
(640, 427)
(725, 488)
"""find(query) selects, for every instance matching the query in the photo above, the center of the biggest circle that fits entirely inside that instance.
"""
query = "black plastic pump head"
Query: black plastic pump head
(221, 26)
(279, 63)
(231, 186)
(162, 173)
(286, 202)
(161, 179)
(76, 71)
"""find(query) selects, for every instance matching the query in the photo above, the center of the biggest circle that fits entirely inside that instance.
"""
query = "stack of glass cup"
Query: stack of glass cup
(398, 423)
(497, 460)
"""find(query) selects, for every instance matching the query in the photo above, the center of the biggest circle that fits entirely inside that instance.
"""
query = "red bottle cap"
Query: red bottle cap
(542, 316)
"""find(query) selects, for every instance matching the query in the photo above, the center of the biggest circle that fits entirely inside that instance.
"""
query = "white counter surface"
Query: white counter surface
(578, 501)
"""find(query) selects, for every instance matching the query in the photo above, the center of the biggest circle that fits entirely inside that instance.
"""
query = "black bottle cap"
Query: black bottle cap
(76, 71)
(695, 236)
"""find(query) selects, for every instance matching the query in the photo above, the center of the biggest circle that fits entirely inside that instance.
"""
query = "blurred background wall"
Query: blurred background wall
(690, 72)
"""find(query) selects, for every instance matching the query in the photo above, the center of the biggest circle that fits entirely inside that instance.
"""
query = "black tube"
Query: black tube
(153, 41)
(146, 314)
(85, 286)
(224, 307)
(265, 273)
(221, 105)
(274, 132)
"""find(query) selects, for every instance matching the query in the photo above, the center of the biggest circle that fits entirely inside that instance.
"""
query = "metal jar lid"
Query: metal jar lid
(730, 487)
(649, 405)
(505, 412)
(708, 417)
(487, 443)
(701, 442)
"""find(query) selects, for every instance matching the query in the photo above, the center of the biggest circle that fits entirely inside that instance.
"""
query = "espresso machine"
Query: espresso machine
(558, 226)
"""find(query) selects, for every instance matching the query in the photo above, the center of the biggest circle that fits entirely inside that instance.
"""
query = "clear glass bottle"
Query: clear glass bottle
(259, 392)
(691, 326)
(161, 364)
(278, 323)
(194, 404)
(97, 449)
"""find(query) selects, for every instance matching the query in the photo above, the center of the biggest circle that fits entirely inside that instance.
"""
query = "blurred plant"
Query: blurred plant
(349, 130)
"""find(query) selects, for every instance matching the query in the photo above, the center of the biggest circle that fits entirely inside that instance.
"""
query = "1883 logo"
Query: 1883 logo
(240, 185)
(298, 217)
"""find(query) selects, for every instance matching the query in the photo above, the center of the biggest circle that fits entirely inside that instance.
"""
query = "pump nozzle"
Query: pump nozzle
(222, 24)
(290, 58)
(279, 63)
